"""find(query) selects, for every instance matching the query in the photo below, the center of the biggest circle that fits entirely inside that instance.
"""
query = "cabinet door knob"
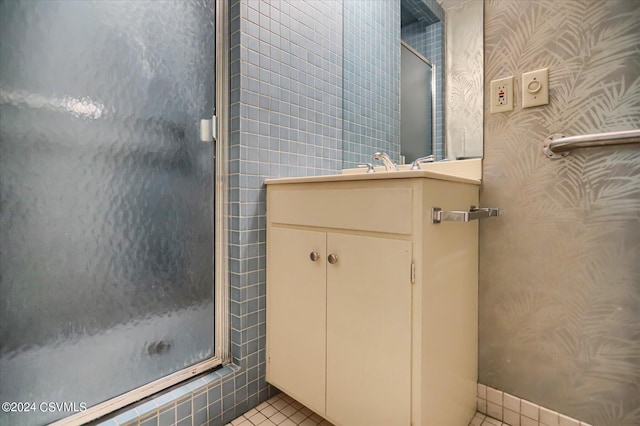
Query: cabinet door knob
(332, 258)
(314, 256)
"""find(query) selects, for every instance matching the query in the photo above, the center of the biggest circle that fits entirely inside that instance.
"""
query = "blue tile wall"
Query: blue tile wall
(286, 120)
(429, 42)
(207, 400)
(426, 11)
(371, 80)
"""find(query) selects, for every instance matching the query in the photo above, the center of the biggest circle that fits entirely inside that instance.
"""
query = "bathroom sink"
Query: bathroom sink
(468, 169)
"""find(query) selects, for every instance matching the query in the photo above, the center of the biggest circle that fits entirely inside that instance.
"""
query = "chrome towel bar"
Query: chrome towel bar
(437, 215)
(557, 146)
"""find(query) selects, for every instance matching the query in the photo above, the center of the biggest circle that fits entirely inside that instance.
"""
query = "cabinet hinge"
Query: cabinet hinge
(413, 273)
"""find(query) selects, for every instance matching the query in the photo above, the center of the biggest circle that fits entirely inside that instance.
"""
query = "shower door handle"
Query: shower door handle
(208, 130)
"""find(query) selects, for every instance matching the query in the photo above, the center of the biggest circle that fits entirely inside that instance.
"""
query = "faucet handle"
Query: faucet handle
(416, 163)
(389, 165)
(369, 167)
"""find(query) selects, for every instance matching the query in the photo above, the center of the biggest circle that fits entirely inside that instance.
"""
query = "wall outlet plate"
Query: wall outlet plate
(535, 88)
(502, 95)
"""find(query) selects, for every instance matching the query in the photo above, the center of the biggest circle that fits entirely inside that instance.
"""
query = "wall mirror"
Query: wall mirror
(418, 103)
(387, 109)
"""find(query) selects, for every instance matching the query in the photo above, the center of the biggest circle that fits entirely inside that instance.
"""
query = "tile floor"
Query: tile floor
(282, 410)
(481, 420)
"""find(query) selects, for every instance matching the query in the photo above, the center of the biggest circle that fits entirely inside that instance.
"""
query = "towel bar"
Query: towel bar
(558, 146)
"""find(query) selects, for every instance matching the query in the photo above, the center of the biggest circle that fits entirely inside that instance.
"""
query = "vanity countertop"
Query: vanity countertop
(406, 174)
(465, 171)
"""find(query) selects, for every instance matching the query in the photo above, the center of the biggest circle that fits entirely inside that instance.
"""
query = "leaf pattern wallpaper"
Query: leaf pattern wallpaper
(560, 270)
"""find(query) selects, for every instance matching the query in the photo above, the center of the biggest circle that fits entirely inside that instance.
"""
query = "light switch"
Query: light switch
(502, 95)
(535, 88)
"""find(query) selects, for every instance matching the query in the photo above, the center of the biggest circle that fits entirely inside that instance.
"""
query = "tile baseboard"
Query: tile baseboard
(515, 411)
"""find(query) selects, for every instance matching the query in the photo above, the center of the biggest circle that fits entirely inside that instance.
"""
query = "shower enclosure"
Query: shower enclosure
(107, 200)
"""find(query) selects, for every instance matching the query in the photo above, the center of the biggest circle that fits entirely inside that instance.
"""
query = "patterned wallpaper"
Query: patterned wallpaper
(559, 271)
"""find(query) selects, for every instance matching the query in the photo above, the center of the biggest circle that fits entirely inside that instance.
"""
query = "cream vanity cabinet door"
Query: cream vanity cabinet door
(340, 325)
(296, 314)
(368, 331)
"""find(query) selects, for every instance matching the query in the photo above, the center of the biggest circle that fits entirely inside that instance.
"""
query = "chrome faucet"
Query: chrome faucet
(416, 163)
(389, 165)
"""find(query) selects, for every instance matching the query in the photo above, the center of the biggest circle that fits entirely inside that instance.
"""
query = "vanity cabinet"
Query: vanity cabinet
(328, 331)
(365, 324)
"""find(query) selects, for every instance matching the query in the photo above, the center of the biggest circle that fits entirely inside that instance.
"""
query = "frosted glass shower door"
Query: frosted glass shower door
(107, 198)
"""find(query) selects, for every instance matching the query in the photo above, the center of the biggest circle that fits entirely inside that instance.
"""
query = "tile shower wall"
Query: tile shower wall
(429, 42)
(428, 11)
(371, 80)
(559, 272)
(286, 120)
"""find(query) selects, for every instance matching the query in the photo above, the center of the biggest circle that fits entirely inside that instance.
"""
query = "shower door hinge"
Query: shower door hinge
(413, 273)
(208, 130)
